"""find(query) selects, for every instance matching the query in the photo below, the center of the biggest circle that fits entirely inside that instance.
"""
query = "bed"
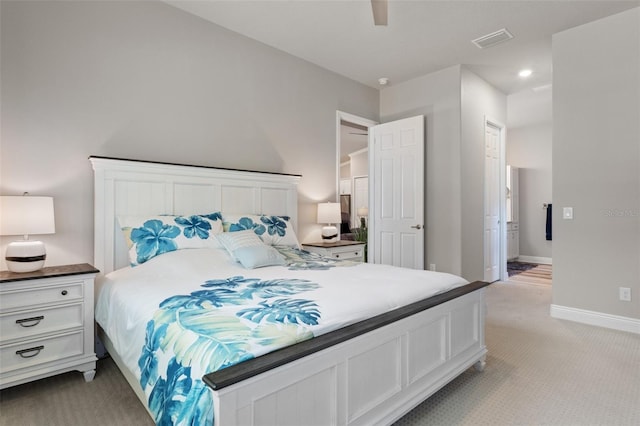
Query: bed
(322, 355)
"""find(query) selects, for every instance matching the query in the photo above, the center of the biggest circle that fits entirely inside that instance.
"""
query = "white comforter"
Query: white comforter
(129, 298)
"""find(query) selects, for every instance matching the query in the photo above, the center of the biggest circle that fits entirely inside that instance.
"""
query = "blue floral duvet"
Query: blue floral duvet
(191, 312)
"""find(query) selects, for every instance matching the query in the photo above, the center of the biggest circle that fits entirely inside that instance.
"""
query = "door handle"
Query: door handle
(417, 227)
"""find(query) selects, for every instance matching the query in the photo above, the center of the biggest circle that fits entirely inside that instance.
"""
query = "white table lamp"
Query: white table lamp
(329, 214)
(26, 215)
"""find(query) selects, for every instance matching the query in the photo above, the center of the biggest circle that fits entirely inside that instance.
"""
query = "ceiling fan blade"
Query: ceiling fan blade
(379, 8)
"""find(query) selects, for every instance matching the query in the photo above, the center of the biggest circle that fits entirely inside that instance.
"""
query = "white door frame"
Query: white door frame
(345, 116)
(503, 276)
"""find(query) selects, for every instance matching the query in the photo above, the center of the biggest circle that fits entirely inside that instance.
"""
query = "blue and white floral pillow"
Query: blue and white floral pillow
(150, 236)
(273, 230)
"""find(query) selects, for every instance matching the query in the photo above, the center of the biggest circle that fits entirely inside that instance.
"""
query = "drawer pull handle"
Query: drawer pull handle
(35, 321)
(23, 352)
(64, 292)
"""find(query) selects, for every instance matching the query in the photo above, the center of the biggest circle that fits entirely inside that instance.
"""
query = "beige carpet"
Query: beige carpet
(540, 371)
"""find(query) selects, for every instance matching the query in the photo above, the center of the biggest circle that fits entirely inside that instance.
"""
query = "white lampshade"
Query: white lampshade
(329, 213)
(26, 215)
(363, 211)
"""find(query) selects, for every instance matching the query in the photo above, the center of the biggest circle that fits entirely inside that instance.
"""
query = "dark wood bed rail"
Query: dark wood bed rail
(246, 369)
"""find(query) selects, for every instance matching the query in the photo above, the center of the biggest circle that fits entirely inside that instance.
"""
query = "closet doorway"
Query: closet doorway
(352, 159)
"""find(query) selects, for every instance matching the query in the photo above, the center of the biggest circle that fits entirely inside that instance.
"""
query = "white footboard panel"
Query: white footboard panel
(374, 378)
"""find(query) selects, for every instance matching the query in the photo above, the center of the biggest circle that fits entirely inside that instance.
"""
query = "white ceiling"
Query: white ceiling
(422, 36)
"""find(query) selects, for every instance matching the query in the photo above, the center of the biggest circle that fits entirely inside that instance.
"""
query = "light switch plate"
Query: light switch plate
(567, 212)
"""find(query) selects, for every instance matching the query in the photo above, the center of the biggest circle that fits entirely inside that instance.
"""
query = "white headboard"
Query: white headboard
(132, 187)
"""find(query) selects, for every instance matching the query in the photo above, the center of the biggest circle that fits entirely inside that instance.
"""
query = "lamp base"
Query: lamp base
(329, 234)
(25, 256)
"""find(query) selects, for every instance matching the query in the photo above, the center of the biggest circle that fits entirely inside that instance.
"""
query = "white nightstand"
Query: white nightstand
(343, 250)
(46, 323)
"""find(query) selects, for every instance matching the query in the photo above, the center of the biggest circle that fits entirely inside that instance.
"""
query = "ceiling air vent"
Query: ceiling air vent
(492, 39)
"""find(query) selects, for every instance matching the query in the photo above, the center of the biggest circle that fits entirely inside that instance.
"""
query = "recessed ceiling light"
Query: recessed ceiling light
(383, 81)
(525, 73)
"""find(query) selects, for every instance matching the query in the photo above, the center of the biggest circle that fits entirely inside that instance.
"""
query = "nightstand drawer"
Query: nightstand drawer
(24, 324)
(24, 298)
(347, 254)
(39, 351)
(341, 250)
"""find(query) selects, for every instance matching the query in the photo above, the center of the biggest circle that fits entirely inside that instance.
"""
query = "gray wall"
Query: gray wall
(148, 81)
(529, 145)
(359, 163)
(454, 102)
(596, 165)
(345, 170)
(437, 97)
(480, 101)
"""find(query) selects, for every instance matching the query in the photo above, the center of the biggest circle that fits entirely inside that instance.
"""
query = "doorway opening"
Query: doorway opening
(529, 273)
(352, 165)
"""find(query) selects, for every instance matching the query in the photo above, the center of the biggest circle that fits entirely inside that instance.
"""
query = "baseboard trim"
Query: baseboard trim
(599, 319)
(534, 259)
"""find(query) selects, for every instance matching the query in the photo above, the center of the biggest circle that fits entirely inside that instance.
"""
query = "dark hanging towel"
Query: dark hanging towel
(549, 215)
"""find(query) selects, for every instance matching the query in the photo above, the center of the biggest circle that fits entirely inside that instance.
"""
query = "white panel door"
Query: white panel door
(396, 188)
(492, 204)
